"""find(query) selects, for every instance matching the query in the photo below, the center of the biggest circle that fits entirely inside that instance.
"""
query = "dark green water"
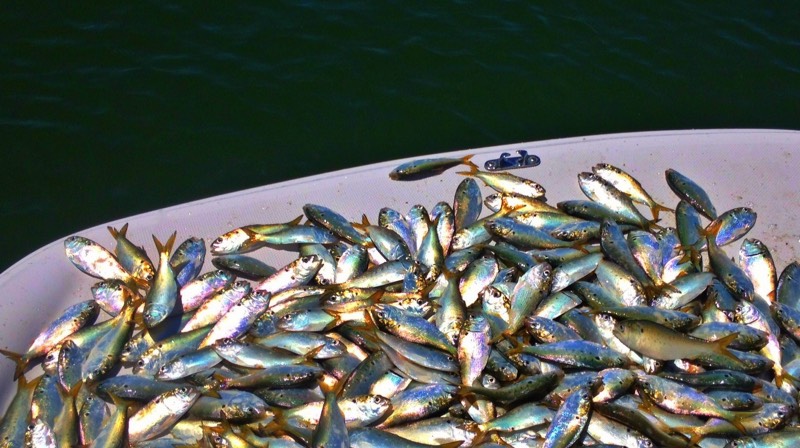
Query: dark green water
(107, 112)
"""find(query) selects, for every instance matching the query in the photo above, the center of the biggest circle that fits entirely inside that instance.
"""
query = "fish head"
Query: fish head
(228, 346)
(745, 313)
(178, 400)
(172, 370)
(642, 441)
(537, 327)
(499, 227)
(490, 382)
(372, 406)
(775, 415)
(50, 363)
(292, 320)
(230, 242)
(246, 407)
(308, 263)
(414, 305)
(645, 385)
(154, 314)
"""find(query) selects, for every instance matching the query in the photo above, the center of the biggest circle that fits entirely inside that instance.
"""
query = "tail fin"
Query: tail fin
(473, 169)
(737, 418)
(20, 360)
(167, 247)
(466, 160)
(581, 246)
(721, 347)
(656, 208)
(693, 431)
(652, 225)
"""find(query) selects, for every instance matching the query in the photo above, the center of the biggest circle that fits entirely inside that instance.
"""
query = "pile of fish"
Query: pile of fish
(530, 324)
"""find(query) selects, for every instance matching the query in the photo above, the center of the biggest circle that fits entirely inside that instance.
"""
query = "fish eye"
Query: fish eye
(218, 240)
(306, 259)
(140, 363)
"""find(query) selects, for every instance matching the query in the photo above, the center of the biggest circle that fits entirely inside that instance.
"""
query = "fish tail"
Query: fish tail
(114, 232)
(473, 169)
(72, 392)
(652, 225)
(159, 246)
(369, 320)
(581, 246)
(711, 231)
(663, 286)
(20, 360)
(657, 208)
(170, 242)
(693, 431)
(376, 298)
(780, 374)
(790, 377)
(721, 347)
(466, 160)
(481, 435)
(737, 418)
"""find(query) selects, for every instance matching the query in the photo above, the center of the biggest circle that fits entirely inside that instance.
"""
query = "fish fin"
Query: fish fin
(365, 220)
(480, 435)
(790, 377)
(376, 297)
(159, 246)
(652, 225)
(274, 425)
(666, 287)
(369, 320)
(309, 357)
(721, 347)
(119, 401)
(211, 389)
(19, 359)
(473, 169)
(218, 382)
(647, 404)
(581, 246)
(711, 231)
(656, 208)
(295, 221)
(467, 160)
(455, 444)
(337, 319)
(693, 431)
(75, 389)
(170, 242)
